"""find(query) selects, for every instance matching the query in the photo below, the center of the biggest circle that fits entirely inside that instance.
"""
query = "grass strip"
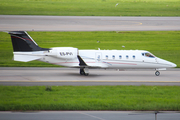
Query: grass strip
(163, 44)
(22, 98)
(91, 7)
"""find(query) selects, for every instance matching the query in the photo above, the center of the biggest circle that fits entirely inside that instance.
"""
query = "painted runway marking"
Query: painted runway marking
(91, 116)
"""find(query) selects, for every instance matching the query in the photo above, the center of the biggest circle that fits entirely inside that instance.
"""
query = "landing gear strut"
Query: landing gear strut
(157, 73)
(84, 71)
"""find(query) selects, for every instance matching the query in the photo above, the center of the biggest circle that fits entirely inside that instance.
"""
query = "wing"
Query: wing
(83, 64)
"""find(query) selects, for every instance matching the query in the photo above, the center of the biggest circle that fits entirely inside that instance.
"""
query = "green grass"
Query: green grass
(91, 7)
(163, 44)
(90, 98)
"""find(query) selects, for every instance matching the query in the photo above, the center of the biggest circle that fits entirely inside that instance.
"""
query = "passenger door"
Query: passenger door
(98, 57)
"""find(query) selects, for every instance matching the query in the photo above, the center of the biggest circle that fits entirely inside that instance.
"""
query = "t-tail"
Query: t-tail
(24, 47)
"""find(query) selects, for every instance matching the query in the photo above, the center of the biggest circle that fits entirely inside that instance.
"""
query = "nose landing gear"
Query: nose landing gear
(157, 73)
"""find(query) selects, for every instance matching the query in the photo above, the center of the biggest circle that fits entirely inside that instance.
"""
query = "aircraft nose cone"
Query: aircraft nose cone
(174, 65)
(171, 64)
(166, 63)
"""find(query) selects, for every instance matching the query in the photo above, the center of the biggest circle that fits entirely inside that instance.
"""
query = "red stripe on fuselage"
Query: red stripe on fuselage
(121, 63)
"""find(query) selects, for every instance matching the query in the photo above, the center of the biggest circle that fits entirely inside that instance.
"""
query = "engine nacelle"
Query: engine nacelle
(64, 52)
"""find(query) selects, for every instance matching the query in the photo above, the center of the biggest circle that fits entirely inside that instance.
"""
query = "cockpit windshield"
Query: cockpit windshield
(148, 55)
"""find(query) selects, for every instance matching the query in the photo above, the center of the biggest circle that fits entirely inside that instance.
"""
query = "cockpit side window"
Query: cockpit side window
(149, 55)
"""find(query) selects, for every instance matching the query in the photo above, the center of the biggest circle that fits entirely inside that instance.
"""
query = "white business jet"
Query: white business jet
(26, 49)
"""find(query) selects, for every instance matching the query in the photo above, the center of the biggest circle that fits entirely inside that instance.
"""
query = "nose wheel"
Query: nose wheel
(157, 73)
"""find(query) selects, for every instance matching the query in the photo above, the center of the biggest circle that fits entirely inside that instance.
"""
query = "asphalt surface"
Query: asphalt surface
(61, 76)
(88, 115)
(87, 23)
(69, 76)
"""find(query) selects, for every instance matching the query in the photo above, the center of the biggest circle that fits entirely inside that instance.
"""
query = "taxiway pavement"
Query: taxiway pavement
(89, 115)
(87, 23)
(30, 76)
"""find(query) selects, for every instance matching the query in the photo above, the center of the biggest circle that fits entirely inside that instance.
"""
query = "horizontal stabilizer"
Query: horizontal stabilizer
(25, 58)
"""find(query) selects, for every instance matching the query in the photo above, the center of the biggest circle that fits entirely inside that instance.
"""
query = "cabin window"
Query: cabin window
(120, 57)
(142, 54)
(106, 56)
(113, 56)
(127, 56)
(149, 55)
(134, 56)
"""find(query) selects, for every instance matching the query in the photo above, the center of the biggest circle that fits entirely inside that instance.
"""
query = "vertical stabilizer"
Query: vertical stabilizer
(22, 42)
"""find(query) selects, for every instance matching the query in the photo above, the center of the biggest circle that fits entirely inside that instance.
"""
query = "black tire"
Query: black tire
(86, 74)
(82, 72)
(157, 73)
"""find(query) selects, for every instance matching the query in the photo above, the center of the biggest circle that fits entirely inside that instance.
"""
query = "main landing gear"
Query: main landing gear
(84, 71)
(157, 73)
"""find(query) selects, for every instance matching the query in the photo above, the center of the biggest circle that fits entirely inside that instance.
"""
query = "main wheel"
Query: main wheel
(157, 73)
(86, 74)
(82, 72)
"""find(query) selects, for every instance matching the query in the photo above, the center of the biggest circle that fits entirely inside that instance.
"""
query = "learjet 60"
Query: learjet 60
(26, 49)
